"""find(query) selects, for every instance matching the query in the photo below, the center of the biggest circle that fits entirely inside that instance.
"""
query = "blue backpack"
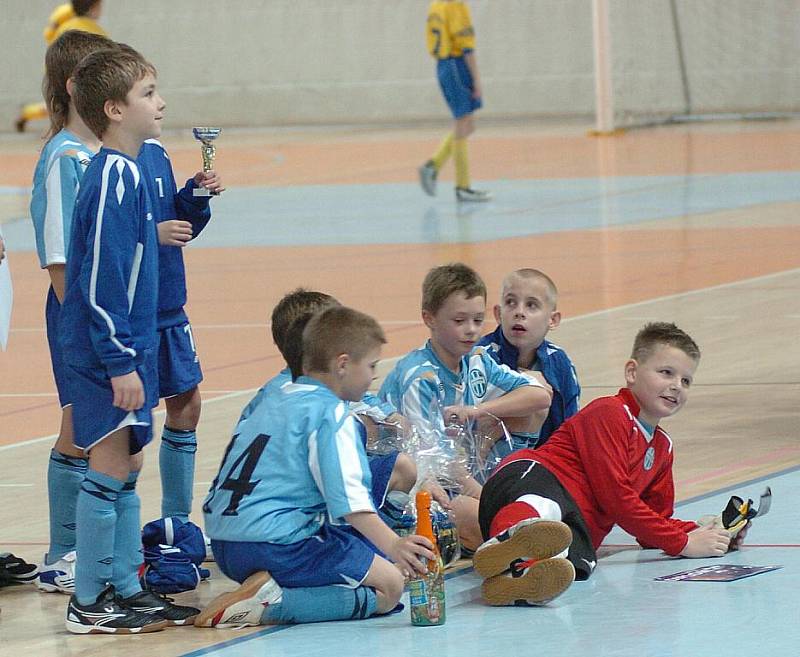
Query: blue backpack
(173, 552)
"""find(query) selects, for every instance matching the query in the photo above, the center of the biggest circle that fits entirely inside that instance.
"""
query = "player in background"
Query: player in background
(450, 39)
(77, 15)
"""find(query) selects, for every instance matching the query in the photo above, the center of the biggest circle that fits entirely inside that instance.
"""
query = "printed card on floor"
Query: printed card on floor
(723, 572)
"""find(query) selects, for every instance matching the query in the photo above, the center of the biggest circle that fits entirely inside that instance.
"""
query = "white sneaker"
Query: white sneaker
(244, 606)
(58, 577)
(472, 195)
(427, 178)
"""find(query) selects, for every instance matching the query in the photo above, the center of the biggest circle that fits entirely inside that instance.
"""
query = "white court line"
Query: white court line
(12, 395)
(34, 441)
(223, 327)
(596, 313)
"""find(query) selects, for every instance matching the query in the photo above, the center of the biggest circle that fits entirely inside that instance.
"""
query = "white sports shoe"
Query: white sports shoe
(244, 606)
(427, 178)
(58, 577)
(470, 195)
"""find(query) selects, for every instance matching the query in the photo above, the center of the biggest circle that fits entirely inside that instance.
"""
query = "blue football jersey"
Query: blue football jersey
(56, 181)
(421, 385)
(297, 461)
(109, 312)
(171, 203)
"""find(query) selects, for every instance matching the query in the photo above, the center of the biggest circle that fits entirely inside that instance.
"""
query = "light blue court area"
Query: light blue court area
(402, 214)
(620, 612)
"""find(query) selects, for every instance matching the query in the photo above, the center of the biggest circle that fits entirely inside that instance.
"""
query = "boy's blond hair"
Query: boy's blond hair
(106, 75)
(663, 333)
(441, 282)
(295, 304)
(335, 331)
(60, 60)
(528, 273)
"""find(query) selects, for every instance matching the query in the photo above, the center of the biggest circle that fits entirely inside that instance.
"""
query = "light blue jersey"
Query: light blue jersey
(370, 405)
(56, 181)
(297, 459)
(421, 384)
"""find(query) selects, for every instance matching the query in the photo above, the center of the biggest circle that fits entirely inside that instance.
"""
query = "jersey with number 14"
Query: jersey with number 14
(449, 31)
(297, 459)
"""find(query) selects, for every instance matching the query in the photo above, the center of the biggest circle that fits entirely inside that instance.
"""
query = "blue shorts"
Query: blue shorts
(334, 555)
(178, 364)
(455, 81)
(381, 468)
(52, 316)
(94, 416)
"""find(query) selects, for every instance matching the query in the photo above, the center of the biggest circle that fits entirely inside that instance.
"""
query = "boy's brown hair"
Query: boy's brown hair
(663, 333)
(441, 282)
(335, 331)
(106, 75)
(293, 305)
(62, 56)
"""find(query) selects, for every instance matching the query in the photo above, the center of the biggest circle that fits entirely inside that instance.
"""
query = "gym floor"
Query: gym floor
(694, 224)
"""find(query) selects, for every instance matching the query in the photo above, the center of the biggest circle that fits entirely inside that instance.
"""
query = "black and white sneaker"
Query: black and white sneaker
(108, 616)
(427, 178)
(149, 602)
(469, 195)
(14, 570)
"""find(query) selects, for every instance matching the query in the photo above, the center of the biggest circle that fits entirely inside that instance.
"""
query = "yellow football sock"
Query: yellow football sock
(442, 153)
(462, 163)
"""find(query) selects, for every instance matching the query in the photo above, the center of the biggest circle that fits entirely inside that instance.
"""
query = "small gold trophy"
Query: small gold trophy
(206, 137)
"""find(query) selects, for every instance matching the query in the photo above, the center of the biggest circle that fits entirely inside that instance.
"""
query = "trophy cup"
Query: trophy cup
(206, 137)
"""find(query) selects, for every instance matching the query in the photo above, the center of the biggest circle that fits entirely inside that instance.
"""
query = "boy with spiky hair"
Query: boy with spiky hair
(544, 512)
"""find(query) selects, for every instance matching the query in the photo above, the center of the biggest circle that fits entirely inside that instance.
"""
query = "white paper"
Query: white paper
(6, 301)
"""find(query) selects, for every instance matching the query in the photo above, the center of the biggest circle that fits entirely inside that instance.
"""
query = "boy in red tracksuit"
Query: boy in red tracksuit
(546, 511)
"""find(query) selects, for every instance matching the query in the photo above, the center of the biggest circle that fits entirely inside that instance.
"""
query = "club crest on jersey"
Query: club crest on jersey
(477, 383)
(649, 457)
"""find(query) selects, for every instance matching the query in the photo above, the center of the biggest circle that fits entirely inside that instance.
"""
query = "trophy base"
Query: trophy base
(201, 191)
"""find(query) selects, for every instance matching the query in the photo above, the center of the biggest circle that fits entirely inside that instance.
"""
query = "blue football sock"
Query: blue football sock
(315, 604)
(176, 462)
(64, 477)
(127, 540)
(96, 519)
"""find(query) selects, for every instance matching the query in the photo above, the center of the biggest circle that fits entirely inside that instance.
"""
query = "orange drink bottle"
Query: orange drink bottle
(426, 593)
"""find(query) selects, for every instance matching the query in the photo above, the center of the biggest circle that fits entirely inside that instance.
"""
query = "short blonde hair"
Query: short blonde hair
(335, 331)
(663, 333)
(528, 273)
(441, 282)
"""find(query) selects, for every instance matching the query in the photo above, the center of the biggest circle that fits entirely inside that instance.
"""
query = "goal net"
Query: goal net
(663, 61)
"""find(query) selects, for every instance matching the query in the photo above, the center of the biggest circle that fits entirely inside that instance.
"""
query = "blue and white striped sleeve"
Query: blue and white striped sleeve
(61, 187)
(111, 270)
(420, 391)
(342, 470)
(502, 379)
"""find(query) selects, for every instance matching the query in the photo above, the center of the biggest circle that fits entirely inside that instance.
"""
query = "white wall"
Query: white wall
(279, 62)
(271, 62)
